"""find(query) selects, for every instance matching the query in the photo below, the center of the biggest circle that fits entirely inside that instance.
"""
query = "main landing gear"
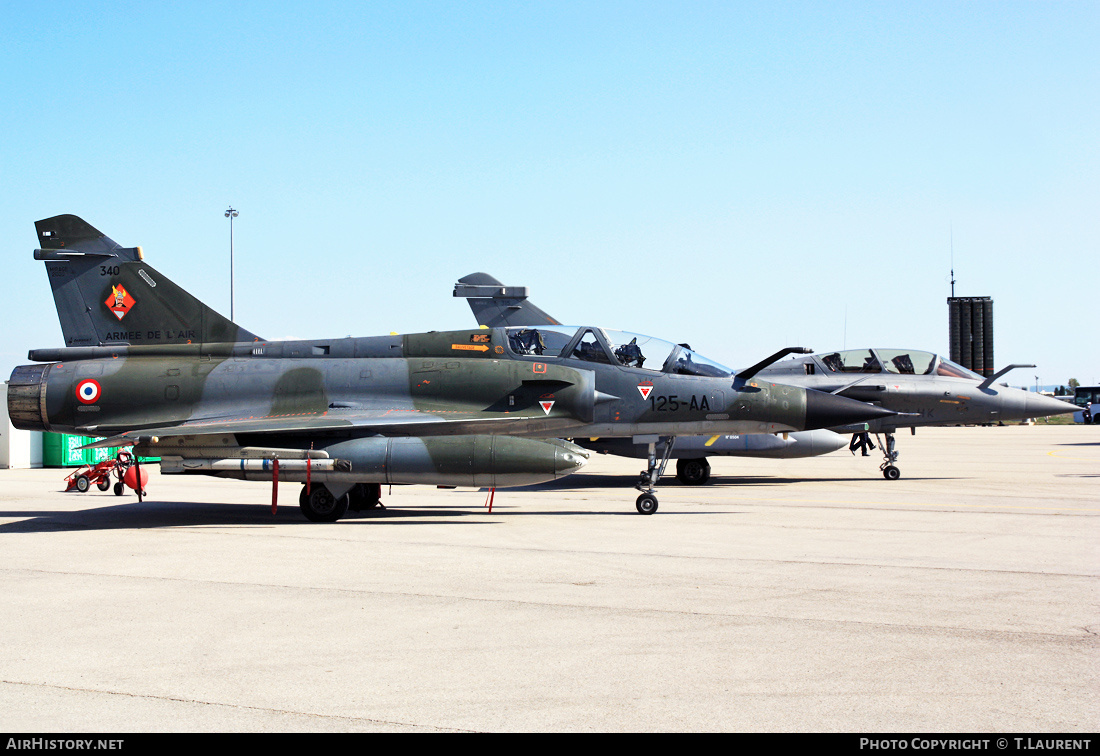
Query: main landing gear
(693, 472)
(647, 479)
(319, 504)
(365, 496)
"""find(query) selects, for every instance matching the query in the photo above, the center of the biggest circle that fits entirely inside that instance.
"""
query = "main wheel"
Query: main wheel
(321, 506)
(104, 484)
(646, 504)
(82, 483)
(693, 472)
(364, 496)
(891, 473)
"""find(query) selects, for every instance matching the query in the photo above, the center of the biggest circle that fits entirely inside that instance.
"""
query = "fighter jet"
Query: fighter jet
(496, 305)
(921, 387)
(149, 365)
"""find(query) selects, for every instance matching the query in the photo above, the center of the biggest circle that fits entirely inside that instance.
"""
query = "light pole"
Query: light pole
(231, 214)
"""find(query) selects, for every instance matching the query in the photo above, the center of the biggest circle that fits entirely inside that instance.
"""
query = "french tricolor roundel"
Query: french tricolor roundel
(88, 391)
(644, 388)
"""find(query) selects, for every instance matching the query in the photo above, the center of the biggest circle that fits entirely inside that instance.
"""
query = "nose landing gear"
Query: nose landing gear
(862, 443)
(647, 479)
(889, 469)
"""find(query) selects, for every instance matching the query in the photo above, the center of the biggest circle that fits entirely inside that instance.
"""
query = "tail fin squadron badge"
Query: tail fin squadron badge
(120, 301)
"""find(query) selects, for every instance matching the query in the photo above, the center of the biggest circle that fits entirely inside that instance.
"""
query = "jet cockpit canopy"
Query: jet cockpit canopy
(899, 361)
(591, 344)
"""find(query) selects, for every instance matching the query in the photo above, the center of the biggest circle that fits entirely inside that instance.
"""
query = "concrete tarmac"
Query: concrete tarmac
(795, 595)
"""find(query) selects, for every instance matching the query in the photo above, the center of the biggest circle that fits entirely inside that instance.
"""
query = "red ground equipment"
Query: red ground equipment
(83, 478)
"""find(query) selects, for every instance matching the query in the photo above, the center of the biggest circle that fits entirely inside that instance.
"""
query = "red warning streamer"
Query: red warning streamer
(275, 486)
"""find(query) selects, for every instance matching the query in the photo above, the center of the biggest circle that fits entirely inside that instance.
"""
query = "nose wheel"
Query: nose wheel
(646, 504)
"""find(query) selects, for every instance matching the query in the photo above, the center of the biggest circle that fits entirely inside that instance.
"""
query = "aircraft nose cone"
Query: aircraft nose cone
(1038, 405)
(829, 410)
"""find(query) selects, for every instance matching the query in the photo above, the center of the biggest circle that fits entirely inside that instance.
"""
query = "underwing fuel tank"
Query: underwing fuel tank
(469, 461)
(762, 445)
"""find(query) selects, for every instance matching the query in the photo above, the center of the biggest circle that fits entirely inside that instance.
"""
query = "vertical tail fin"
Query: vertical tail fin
(495, 304)
(108, 294)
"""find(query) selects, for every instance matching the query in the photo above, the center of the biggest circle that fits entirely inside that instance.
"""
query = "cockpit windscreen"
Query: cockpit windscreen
(953, 370)
(688, 362)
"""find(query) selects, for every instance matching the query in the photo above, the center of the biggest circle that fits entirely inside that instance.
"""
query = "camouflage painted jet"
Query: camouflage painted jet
(147, 364)
(496, 305)
(921, 387)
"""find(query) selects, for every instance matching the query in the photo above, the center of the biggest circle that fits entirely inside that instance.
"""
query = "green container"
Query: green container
(63, 450)
(60, 450)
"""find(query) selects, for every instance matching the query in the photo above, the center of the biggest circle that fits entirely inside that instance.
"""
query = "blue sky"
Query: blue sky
(740, 176)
